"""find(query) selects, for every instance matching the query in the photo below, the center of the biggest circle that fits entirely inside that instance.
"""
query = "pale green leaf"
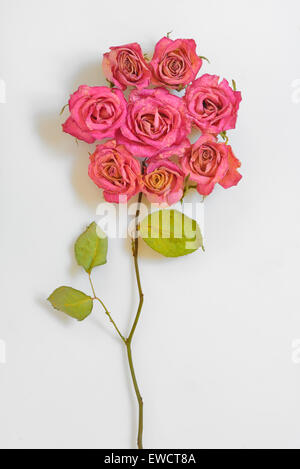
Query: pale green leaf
(171, 233)
(91, 248)
(72, 302)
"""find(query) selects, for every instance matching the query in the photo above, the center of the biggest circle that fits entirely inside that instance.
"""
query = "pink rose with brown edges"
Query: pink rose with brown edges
(163, 182)
(96, 113)
(125, 66)
(175, 63)
(208, 163)
(113, 169)
(212, 105)
(156, 121)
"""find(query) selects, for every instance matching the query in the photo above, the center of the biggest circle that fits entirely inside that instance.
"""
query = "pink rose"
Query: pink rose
(113, 169)
(175, 151)
(175, 63)
(209, 162)
(156, 120)
(125, 66)
(96, 113)
(213, 106)
(163, 182)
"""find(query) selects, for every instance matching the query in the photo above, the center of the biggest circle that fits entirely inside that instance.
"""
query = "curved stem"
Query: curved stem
(106, 311)
(135, 251)
(111, 319)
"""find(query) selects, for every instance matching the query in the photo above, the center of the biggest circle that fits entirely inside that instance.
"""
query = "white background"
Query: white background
(214, 349)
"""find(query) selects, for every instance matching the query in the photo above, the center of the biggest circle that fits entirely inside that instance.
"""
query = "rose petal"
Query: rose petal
(70, 127)
(232, 177)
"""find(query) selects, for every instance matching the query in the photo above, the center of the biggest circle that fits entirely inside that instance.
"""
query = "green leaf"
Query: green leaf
(91, 248)
(72, 302)
(171, 233)
(234, 85)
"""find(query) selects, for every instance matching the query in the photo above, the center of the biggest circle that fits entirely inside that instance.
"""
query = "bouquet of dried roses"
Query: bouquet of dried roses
(147, 151)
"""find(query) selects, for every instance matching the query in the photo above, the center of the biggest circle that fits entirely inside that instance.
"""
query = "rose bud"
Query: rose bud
(163, 182)
(175, 63)
(125, 66)
(113, 169)
(212, 106)
(96, 113)
(209, 162)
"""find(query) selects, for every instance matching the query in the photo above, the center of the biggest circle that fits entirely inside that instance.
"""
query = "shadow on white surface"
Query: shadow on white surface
(50, 131)
(58, 315)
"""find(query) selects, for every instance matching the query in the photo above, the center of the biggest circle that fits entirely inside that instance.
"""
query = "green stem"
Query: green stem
(135, 252)
(139, 398)
(128, 342)
(106, 311)
(111, 320)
